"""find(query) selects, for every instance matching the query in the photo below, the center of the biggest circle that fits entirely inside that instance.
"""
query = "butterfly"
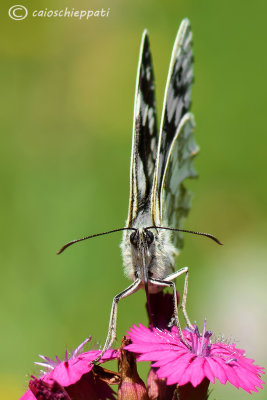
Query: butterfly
(160, 163)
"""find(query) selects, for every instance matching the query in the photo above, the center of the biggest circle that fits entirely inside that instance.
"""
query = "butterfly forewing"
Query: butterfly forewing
(176, 104)
(144, 144)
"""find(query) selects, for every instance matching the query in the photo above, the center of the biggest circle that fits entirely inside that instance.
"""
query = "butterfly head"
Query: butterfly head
(142, 245)
(141, 238)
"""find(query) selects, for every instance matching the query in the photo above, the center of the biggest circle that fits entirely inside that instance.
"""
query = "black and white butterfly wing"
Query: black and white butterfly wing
(144, 142)
(175, 198)
(176, 149)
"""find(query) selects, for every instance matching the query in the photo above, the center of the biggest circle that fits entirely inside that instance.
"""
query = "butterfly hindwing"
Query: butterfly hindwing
(144, 144)
(175, 198)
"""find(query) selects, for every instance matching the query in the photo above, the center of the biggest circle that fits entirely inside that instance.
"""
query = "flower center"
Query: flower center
(201, 345)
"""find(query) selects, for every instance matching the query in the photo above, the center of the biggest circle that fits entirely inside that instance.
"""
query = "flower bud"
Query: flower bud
(157, 387)
(131, 387)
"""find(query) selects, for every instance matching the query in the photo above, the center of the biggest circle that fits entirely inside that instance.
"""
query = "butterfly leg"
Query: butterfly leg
(111, 336)
(183, 306)
(165, 283)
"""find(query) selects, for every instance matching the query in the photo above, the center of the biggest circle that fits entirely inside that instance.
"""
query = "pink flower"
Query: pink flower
(201, 359)
(71, 377)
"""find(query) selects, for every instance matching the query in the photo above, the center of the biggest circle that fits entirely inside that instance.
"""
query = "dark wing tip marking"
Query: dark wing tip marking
(145, 34)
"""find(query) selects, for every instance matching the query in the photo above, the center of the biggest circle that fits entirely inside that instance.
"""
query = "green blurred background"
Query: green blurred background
(67, 90)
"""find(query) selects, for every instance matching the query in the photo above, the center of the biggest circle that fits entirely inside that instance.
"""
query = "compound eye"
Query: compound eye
(134, 238)
(149, 237)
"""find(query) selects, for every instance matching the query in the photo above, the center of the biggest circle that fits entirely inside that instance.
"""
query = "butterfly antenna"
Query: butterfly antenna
(92, 236)
(187, 231)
